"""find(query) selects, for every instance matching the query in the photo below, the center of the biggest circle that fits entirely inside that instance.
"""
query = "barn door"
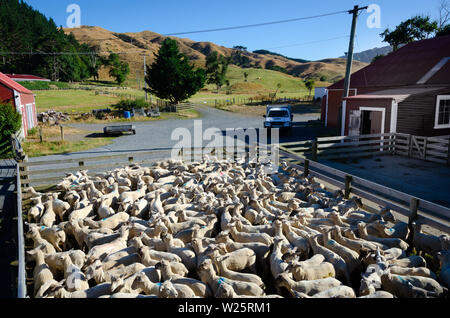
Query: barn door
(354, 123)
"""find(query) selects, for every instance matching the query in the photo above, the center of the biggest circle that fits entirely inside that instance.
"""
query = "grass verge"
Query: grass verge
(47, 148)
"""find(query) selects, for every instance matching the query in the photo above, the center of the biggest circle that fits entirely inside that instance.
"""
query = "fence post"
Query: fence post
(41, 138)
(314, 150)
(413, 207)
(130, 159)
(409, 145)
(81, 163)
(425, 144)
(348, 184)
(62, 132)
(306, 167)
(448, 153)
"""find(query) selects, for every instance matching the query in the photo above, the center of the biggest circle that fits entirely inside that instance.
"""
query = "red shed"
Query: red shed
(22, 99)
(407, 91)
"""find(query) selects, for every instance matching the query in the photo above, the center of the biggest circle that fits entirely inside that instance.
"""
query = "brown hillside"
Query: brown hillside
(137, 44)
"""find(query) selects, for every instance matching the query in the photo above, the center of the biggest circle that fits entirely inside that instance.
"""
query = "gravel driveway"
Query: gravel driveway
(157, 134)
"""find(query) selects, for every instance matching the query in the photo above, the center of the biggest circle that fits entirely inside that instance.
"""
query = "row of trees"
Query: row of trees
(419, 28)
(30, 44)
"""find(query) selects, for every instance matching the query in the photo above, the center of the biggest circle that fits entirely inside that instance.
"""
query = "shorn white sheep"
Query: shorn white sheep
(221, 228)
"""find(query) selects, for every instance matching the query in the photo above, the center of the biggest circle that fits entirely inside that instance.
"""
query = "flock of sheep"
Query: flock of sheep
(221, 229)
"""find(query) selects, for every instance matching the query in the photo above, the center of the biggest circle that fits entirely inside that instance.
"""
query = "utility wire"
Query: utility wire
(259, 24)
(306, 43)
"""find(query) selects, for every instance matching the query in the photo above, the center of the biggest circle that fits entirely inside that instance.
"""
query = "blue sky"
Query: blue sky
(330, 34)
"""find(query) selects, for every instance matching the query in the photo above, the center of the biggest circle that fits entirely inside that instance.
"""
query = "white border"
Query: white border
(377, 109)
(394, 111)
(436, 116)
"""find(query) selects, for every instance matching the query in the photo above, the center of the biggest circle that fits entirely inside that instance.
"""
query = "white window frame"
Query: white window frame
(436, 116)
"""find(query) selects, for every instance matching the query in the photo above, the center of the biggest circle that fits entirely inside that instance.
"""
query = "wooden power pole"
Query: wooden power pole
(145, 75)
(348, 70)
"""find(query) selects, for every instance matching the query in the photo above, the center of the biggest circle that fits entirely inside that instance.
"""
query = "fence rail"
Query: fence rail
(48, 173)
(435, 149)
(414, 208)
(21, 277)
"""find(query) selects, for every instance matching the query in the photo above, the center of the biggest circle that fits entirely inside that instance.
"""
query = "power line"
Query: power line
(259, 24)
(306, 43)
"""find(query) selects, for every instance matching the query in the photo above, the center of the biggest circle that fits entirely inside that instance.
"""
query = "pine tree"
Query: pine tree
(171, 76)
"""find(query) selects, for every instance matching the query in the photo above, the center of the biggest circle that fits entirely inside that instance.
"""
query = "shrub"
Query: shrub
(10, 123)
(44, 85)
(129, 104)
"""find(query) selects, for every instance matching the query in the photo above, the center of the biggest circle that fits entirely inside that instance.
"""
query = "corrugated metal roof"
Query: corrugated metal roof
(26, 77)
(397, 94)
(5, 80)
(406, 66)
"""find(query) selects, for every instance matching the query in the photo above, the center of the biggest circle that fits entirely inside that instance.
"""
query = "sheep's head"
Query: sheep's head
(366, 287)
(93, 270)
(168, 290)
(224, 290)
(116, 283)
(32, 232)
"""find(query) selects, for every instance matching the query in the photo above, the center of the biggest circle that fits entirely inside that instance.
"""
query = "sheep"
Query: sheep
(199, 288)
(412, 271)
(335, 292)
(81, 213)
(400, 230)
(209, 276)
(311, 272)
(225, 290)
(143, 283)
(53, 235)
(356, 245)
(242, 237)
(149, 256)
(56, 264)
(391, 242)
(133, 196)
(277, 264)
(38, 241)
(100, 250)
(238, 260)
(170, 290)
(142, 227)
(351, 257)
(48, 218)
(93, 292)
(36, 211)
(295, 240)
(104, 210)
(378, 294)
(59, 207)
(424, 242)
(41, 273)
(186, 254)
(338, 262)
(308, 287)
(230, 274)
(111, 222)
(96, 272)
(444, 259)
(399, 285)
(75, 278)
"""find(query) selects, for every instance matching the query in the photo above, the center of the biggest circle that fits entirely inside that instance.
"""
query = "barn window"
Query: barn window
(442, 118)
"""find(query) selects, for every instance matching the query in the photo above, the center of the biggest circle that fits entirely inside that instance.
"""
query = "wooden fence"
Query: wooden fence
(261, 100)
(436, 149)
(414, 208)
(46, 173)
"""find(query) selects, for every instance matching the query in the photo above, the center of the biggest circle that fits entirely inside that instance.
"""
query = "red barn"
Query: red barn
(407, 91)
(22, 99)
